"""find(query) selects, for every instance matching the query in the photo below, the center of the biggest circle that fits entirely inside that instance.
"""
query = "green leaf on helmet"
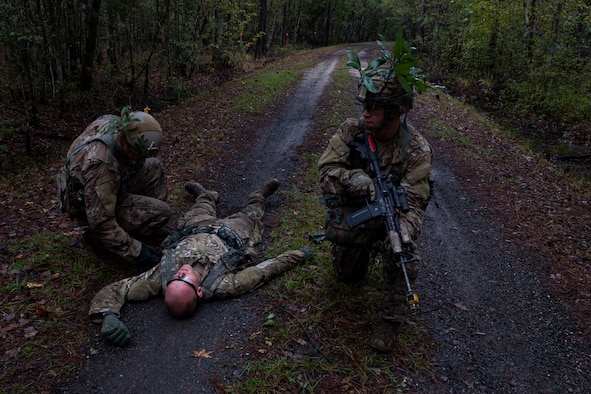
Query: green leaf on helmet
(141, 146)
(369, 84)
(353, 60)
(376, 63)
(403, 69)
(405, 84)
(386, 54)
(401, 64)
(400, 47)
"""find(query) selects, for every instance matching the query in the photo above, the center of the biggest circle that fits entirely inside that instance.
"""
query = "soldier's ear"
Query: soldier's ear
(396, 111)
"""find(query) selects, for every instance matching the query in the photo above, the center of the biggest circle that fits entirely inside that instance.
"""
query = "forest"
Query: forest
(527, 61)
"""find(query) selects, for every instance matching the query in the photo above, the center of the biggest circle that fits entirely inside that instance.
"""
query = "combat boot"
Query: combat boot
(269, 187)
(196, 189)
(384, 336)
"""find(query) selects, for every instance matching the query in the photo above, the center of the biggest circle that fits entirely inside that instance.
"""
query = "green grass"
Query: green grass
(262, 89)
(42, 300)
(449, 133)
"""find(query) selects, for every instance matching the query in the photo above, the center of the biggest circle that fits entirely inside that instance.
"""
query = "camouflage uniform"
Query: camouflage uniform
(219, 249)
(120, 197)
(408, 157)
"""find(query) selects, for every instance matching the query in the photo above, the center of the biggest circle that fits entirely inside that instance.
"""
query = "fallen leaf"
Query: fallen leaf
(41, 311)
(12, 353)
(10, 327)
(202, 353)
(31, 285)
(30, 332)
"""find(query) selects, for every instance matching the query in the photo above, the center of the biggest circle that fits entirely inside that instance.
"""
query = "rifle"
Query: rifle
(389, 199)
(317, 238)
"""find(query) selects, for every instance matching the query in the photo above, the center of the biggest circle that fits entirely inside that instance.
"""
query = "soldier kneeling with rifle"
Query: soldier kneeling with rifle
(374, 176)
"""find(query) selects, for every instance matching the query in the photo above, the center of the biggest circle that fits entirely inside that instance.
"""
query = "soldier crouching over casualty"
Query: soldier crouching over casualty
(112, 183)
(207, 258)
(346, 182)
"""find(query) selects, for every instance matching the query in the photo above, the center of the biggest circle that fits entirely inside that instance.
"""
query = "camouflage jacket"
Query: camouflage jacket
(100, 175)
(408, 158)
(204, 252)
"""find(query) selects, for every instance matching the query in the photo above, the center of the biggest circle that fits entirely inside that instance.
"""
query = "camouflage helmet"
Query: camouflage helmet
(389, 92)
(143, 134)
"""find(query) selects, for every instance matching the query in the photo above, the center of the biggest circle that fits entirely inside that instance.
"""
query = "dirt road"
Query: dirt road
(498, 328)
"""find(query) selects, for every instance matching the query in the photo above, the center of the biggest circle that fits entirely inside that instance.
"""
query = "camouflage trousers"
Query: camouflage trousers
(351, 266)
(247, 222)
(142, 210)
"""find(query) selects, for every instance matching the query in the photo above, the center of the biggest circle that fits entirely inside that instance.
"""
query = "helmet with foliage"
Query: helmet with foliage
(388, 92)
(391, 79)
(143, 134)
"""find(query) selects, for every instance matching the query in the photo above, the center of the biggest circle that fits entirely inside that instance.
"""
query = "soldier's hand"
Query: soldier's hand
(149, 256)
(405, 232)
(308, 253)
(361, 186)
(114, 331)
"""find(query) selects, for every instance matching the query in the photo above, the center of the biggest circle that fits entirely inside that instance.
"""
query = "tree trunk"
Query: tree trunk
(529, 12)
(92, 18)
(327, 24)
(261, 48)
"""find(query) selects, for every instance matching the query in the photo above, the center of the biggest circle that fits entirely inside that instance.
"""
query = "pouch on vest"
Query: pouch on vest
(70, 201)
(62, 189)
(71, 196)
(338, 231)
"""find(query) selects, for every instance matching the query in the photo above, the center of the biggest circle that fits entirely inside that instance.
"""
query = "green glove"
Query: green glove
(149, 256)
(308, 253)
(361, 185)
(114, 331)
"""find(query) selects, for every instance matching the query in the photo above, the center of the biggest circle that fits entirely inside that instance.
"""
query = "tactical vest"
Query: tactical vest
(336, 228)
(228, 262)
